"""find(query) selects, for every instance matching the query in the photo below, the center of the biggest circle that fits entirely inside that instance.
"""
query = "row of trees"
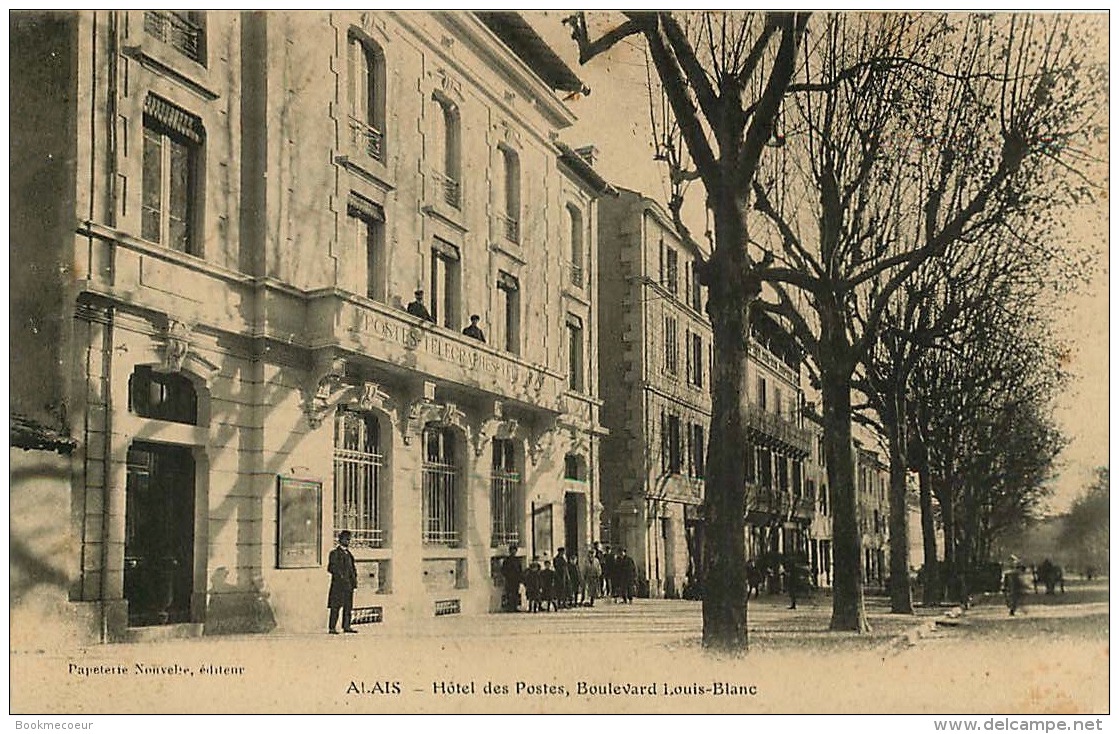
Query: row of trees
(887, 186)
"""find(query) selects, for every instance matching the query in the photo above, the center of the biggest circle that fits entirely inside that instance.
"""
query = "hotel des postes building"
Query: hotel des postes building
(218, 222)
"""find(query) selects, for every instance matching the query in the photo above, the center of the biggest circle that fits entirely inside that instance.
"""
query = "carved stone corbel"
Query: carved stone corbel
(421, 412)
(178, 352)
(325, 379)
(553, 440)
(369, 396)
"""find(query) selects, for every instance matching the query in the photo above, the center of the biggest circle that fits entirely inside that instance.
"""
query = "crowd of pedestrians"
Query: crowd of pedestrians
(568, 580)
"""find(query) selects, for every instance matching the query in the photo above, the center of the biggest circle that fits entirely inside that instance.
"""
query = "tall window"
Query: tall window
(511, 182)
(698, 447)
(751, 462)
(695, 359)
(671, 444)
(798, 487)
(505, 495)
(511, 312)
(440, 493)
(765, 467)
(695, 296)
(778, 402)
(448, 153)
(671, 271)
(357, 478)
(575, 367)
(671, 347)
(575, 218)
(366, 62)
(445, 284)
(366, 221)
(761, 393)
(184, 31)
(171, 166)
(783, 473)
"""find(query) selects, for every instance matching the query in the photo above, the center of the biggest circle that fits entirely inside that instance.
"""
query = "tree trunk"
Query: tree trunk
(732, 287)
(901, 600)
(932, 591)
(848, 611)
(951, 570)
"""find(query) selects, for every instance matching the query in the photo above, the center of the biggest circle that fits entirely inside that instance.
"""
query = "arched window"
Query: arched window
(366, 62)
(165, 396)
(441, 505)
(506, 507)
(358, 500)
(447, 154)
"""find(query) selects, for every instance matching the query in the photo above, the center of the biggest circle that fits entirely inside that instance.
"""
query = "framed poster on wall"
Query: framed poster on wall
(299, 523)
(542, 531)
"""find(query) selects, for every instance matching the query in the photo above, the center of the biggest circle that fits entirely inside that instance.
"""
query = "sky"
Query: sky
(615, 117)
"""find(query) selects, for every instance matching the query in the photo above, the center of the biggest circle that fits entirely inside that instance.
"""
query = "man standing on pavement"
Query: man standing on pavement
(511, 575)
(592, 577)
(626, 571)
(343, 581)
(559, 589)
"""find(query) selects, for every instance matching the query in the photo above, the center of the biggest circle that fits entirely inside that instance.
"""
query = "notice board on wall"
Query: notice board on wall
(299, 523)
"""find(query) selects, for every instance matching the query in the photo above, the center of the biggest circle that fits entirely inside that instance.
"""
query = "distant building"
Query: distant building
(218, 222)
(654, 371)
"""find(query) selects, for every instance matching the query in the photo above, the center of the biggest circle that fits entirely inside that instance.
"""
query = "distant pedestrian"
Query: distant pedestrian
(511, 578)
(592, 578)
(1014, 586)
(532, 585)
(626, 575)
(574, 579)
(607, 562)
(559, 588)
(343, 581)
(548, 587)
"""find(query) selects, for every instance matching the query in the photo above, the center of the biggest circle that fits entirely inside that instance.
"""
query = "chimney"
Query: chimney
(588, 153)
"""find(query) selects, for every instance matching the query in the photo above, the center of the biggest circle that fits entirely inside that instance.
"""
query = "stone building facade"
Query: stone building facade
(655, 367)
(246, 205)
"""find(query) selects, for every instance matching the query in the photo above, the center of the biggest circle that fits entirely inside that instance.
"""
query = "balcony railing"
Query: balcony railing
(368, 138)
(776, 503)
(451, 190)
(512, 229)
(176, 31)
(780, 429)
(575, 274)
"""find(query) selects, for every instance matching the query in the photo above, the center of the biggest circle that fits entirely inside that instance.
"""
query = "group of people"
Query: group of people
(568, 580)
(417, 308)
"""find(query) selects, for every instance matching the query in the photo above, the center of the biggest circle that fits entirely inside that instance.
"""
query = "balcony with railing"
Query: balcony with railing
(177, 31)
(367, 138)
(770, 428)
(512, 228)
(766, 505)
(450, 190)
(575, 274)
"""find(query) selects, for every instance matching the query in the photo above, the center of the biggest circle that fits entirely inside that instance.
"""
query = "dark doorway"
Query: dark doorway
(159, 534)
(572, 522)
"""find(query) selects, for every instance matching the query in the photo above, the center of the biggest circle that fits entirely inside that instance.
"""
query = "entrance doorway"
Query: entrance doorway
(159, 534)
(574, 514)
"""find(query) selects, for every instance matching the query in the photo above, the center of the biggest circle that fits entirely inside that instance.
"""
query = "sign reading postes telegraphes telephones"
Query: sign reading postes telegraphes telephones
(299, 523)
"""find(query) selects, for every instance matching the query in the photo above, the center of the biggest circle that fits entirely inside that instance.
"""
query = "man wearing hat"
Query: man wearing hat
(343, 581)
(474, 331)
(417, 307)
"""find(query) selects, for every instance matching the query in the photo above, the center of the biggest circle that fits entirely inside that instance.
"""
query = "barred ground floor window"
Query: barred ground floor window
(440, 487)
(505, 495)
(358, 503)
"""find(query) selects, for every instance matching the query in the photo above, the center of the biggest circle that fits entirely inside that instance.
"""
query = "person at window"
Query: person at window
(417, 307)
(473, 331)
(343, 581)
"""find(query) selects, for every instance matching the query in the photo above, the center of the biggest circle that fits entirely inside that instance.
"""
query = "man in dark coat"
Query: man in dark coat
(559, 589)
(511, 575)
(343, 581)
(548, 587)
(626, 572)
(532, 585)
(417, 307)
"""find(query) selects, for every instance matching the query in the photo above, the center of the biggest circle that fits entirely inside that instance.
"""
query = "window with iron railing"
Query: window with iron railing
(511, 193)
(448, 151)
(440, 490)
(366, 65)
(357, 478)
(450, 190)
(184, 32)
(505, 495)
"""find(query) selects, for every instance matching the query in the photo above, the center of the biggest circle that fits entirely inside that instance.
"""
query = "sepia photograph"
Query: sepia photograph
(560, 362)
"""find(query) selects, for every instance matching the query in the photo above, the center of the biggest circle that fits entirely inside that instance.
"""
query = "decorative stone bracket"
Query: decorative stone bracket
(495, 427)
(179, 352)
(425, 411)
(322, 385)
(556, 439)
